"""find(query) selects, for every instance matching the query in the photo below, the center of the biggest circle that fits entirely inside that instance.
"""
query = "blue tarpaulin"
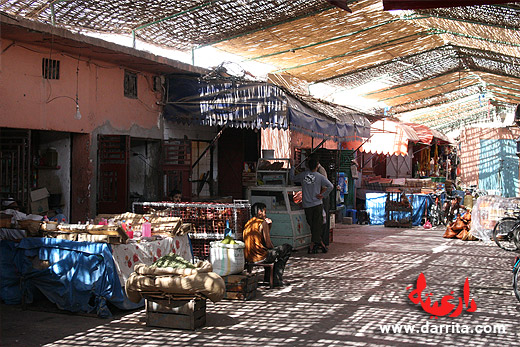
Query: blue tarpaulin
(376, 203)
(76, 276)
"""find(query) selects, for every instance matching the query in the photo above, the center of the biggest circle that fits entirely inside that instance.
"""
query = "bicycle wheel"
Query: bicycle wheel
(444, 216)
(432, 215)
(503, 233)
(516, 274)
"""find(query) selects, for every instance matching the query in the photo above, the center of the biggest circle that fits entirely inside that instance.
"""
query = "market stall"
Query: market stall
(209, 221)
(376, 204)
(81, 267)
(77, 276)
(281, 117)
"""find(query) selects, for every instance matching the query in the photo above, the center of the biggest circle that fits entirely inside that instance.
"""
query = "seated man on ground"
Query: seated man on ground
(258, 245)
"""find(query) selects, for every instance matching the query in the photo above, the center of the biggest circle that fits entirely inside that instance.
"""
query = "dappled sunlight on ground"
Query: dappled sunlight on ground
(343, 297)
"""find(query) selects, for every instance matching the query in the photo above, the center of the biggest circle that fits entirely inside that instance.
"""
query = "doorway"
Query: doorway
(235, 147)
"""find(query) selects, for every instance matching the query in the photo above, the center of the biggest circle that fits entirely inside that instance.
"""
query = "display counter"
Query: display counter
(289, 223)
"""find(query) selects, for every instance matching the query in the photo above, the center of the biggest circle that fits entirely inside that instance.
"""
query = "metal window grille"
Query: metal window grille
(15, 165)
(130, 85)
(50, 69)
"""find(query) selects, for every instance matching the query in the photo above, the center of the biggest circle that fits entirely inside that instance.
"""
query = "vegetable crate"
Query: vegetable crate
(242, 286)
(187, 314)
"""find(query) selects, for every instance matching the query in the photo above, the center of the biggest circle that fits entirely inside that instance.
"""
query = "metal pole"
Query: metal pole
(53, 15)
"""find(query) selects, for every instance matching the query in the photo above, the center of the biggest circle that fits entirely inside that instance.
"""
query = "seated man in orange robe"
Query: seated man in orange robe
(258, 245)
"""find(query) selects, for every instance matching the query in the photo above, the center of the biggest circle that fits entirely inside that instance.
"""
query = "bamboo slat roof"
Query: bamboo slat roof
(423, 58)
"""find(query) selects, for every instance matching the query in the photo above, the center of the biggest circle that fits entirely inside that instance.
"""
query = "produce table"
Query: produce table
(127, 255)
(12, 234)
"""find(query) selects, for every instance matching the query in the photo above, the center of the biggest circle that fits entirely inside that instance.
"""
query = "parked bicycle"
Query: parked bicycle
(435, 211)
(505, 232)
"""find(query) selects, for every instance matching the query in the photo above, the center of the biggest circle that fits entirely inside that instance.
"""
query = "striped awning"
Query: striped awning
(259, 105)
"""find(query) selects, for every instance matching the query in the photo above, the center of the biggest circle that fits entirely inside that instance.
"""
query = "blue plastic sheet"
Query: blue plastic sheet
(80, 277)
(376, 203)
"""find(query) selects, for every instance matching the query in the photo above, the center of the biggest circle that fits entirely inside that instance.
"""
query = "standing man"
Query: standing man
(314, 187)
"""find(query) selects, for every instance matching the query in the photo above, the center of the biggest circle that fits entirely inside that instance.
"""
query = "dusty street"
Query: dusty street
(340, 298)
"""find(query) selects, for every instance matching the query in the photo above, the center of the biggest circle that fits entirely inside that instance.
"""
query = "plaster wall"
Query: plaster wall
(27, 100)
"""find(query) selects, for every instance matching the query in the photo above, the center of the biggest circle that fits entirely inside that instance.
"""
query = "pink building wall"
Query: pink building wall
(27, 100)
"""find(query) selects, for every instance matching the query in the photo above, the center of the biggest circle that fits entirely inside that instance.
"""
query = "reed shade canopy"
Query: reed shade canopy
(413, 59)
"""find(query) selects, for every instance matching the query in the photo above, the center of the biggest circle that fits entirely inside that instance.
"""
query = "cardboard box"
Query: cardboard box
(39, 194)
(40, 206)
(39, 201)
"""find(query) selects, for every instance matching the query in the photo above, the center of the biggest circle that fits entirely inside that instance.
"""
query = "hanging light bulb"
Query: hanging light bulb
(77, 115)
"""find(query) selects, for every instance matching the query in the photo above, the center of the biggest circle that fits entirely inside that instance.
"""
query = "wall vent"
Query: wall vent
(50, 69)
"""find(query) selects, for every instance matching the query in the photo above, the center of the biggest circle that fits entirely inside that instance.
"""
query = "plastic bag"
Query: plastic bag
(487, 211)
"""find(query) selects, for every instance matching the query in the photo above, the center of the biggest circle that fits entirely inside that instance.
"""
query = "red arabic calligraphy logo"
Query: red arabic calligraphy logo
(445, 307)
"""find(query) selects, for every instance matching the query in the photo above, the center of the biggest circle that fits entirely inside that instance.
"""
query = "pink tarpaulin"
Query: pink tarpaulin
(426, 135)
(390, 137)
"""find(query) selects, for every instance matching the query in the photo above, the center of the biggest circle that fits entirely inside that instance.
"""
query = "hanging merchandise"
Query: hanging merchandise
(424, 161)
(436, 160)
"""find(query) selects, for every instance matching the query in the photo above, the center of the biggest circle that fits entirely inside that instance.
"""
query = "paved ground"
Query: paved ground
(336, 299)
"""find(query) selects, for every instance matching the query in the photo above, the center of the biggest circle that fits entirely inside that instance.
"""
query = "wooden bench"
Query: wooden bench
(249, 268)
